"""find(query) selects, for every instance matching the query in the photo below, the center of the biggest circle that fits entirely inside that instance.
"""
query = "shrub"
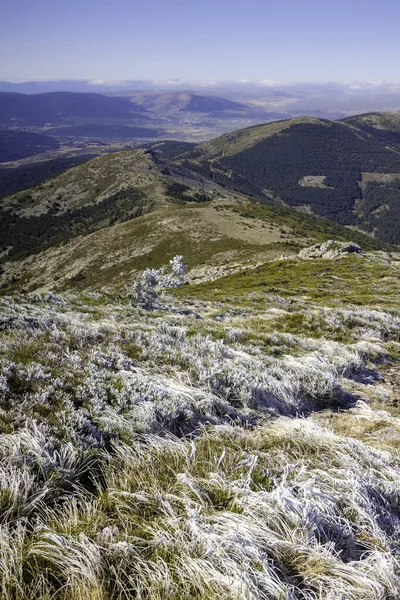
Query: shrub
(145, 289)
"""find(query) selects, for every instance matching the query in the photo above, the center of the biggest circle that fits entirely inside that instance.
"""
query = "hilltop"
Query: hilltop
(334, 169)
(382, 125)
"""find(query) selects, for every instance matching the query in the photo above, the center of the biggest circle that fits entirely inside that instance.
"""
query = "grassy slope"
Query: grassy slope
(109, 189)
(86, 184)
(223, 446)
(351, 280)
(215, 237)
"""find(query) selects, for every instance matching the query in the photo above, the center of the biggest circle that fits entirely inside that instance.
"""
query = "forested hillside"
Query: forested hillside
(20, 144)
(14, 179)
(312, 164)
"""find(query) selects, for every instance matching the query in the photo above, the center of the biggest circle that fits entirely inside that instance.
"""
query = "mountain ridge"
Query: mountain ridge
(118, 213)
(331, 168)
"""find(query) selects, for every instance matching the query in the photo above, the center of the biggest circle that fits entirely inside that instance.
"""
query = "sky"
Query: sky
(280, 40)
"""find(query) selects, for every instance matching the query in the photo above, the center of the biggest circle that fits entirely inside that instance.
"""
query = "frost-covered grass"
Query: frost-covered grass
(197, 450)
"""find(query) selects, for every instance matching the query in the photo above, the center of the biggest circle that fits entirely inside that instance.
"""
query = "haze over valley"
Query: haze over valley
(79, 114)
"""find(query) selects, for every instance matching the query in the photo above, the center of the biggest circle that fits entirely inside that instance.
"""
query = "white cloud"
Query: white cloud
(108, 82)
(276, 82)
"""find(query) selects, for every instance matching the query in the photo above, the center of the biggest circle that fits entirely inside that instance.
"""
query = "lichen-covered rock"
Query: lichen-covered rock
(330, 249)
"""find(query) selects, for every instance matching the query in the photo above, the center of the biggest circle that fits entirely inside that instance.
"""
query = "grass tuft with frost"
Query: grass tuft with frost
(204, 449)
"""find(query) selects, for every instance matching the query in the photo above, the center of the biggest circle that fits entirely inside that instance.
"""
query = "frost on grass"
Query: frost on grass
(179, 453)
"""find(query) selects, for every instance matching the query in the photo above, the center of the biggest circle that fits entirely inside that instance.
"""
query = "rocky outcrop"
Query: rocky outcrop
(330, 249)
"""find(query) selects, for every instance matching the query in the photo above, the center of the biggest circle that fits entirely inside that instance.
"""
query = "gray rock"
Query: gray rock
(330, 249)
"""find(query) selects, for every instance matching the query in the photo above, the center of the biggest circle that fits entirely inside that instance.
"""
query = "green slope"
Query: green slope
(112, 188)
(355, 279)
(216, 237)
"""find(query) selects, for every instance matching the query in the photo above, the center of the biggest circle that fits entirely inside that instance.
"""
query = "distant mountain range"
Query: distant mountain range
(132, 116)
(172, 114)
(321, 99)
(165, 102)
(62, 107)
(173, 102)
(81, 117)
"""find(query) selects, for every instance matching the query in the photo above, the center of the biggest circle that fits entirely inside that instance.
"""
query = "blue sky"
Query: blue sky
(294, 40)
